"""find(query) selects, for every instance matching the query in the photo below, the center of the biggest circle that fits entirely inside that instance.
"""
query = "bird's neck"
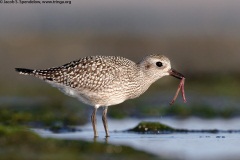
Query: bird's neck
(143, 83)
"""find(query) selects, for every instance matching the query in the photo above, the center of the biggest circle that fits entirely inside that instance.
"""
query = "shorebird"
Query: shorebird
(103, 81)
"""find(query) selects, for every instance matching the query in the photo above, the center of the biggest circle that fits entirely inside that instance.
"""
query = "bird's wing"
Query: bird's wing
(92, 73)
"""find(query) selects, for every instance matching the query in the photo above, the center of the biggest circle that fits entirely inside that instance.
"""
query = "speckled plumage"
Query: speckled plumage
(104, 80)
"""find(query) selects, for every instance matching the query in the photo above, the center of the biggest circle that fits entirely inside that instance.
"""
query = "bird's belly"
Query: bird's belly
(100, 99)
(93, 98)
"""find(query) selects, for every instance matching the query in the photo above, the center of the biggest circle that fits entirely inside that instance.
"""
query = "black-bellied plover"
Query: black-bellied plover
(102, 81)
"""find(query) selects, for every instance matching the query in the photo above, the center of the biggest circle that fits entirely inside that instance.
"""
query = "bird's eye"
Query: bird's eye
(159, 64)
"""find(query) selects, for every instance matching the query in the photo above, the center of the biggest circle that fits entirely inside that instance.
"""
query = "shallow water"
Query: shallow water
(181, 146)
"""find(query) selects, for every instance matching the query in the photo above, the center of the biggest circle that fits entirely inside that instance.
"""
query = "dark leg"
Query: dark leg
(104, 119)
(94, 122)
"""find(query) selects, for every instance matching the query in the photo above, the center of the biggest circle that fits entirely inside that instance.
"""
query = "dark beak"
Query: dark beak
(175, 74)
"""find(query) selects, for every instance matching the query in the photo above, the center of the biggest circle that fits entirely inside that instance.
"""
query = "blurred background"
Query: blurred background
(201, 38)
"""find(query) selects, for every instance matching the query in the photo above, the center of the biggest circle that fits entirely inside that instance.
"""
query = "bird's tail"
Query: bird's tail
(47, 74)
(25, 71)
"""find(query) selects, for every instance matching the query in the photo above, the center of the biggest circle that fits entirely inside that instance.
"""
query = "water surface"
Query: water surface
(182, 146)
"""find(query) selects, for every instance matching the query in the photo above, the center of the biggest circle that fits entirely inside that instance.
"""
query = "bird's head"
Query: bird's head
(157, 66)
(154, 67)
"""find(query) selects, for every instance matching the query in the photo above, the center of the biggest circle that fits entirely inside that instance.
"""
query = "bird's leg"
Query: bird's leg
(94, 122)
(104, 119)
